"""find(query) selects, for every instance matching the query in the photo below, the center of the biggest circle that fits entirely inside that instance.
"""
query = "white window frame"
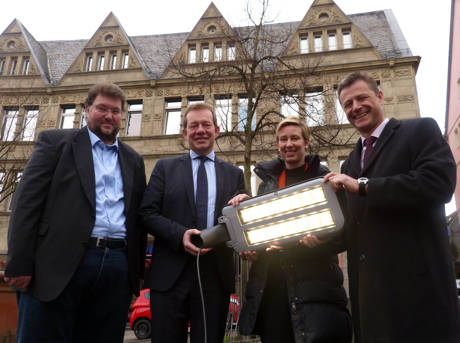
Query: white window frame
(289, 105)
(314, 108)
(192, 54)
(89, 63)
(14, 63)
(101, 62)
(205, 53)
(223, 108)
(173, 111)
(67, 117)
(125, 64)
(231, 52)
(134, 118)
(303, 44)
(318, 40)
(113, 61)
(10, 118)
(217, 52)
(25, 66)
(243, 114)
(347, 39)
(30, 124)
(332, 40)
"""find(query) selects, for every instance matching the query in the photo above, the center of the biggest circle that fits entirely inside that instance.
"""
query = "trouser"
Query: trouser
(92, 308)
(171, 310)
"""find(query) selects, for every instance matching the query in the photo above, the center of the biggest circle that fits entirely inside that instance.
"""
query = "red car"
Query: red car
(139, 320)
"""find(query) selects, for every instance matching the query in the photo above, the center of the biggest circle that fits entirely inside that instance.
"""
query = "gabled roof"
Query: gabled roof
(37, 52)
(109, 27)
(155, 52)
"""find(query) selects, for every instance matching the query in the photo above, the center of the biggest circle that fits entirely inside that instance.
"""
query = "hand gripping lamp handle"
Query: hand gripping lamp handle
(211, 237)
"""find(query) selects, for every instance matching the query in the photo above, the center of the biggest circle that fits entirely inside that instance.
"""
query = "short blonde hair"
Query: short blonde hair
(296, 121)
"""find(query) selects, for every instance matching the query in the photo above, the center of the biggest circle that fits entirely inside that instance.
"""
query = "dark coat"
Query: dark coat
(168, 210)
(312, 275)
(54, 210)
(402, 286)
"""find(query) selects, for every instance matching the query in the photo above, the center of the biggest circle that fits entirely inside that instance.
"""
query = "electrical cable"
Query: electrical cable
(201, 294)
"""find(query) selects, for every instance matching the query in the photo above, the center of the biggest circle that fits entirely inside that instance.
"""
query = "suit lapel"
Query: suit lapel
(354, 160)
(187, 176)
(126, 166)
(220, 182)
(83, 155)
(381, 142)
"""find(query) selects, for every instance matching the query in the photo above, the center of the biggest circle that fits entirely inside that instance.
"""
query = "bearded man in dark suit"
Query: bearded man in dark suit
(186, 194)
(75, 247)
(395, 184)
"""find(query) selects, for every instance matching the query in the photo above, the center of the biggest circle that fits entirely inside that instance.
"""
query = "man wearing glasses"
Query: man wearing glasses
(74, 243)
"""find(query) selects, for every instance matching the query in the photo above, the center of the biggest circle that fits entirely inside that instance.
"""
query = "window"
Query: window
(14, 63)
(2, 65)
(304, 49)
(195, 100)
(223, 106)
(9, 124)
(113, 60)
(101, 61)
(332, 40)
(340, 113)
(324, 163)
(173, 116)
(67, 117)
(89, 62)
(134, 118)
(289, 105)
(30, 123)
(253, 179)
(191, 54)
(318, 42)
(243, 114)
(346, 36)
(125, 59)
(205, 53)
(83, 116)
(217, 52)
(13, 188)
(231, 52)
(25, 66)
(341, 161)
(314, 108)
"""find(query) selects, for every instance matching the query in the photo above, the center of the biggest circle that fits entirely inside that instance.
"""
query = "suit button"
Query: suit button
(362, 258)
(293, 307)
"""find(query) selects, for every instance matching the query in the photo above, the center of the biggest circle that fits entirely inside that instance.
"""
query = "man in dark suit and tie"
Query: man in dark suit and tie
(395, 184)
(75, 246)
(186, 194)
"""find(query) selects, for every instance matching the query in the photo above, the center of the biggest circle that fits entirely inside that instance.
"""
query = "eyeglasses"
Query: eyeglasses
(104, 110)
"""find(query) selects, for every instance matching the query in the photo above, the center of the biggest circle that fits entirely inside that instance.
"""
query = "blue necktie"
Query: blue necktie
(201, 201)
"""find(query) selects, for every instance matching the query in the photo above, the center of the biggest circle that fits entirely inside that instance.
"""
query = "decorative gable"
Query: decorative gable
(21, 54)
(326, 27)
(108, 49)
(211, 40)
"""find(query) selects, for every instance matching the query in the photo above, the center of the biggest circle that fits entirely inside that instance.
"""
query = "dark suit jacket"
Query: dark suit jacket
(54, 211)
(168, 210)
(400, 269)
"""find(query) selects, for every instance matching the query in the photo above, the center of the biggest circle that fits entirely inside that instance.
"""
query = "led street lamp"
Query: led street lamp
(282, 216)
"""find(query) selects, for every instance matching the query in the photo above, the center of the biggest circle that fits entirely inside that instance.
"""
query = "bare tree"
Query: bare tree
(18, 124)
(270, 84)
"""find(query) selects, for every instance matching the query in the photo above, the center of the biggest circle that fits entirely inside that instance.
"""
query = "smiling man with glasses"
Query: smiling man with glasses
(74, 243)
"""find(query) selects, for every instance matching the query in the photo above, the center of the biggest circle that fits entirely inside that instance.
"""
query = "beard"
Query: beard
(106, 137)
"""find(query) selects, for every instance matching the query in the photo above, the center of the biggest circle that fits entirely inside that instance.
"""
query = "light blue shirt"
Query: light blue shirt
(211, 174)
(110, 206)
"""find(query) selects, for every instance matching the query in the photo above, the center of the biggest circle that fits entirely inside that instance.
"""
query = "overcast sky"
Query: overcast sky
(424, 24)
